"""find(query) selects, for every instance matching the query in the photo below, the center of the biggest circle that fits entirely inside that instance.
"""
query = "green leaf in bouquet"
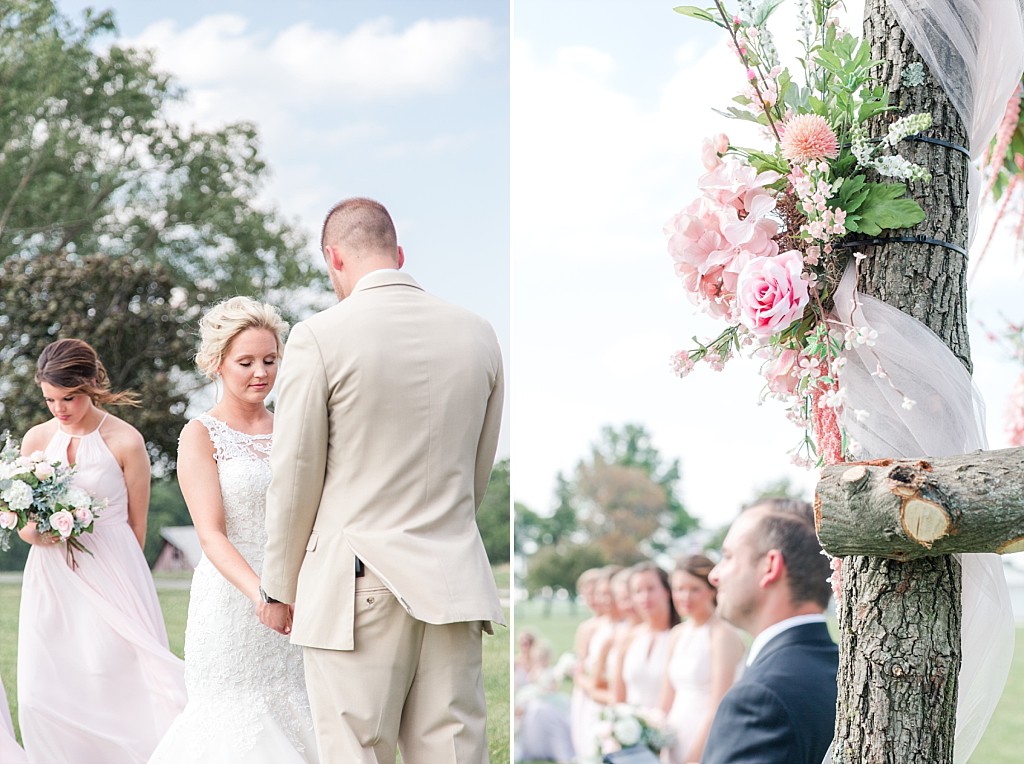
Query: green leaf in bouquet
(708, 14)
(885, 208)
(766, 9)
(852, 193)
(733, 113)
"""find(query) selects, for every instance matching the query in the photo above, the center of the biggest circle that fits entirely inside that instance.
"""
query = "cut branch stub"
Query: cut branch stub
(907, 509)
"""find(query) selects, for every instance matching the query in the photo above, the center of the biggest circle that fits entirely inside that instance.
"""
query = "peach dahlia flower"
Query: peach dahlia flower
(807, 138)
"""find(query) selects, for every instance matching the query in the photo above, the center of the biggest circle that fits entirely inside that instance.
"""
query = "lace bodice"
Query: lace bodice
(243, 465)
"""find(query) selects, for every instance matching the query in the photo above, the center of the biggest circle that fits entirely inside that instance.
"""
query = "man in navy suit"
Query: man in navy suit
(772, 582)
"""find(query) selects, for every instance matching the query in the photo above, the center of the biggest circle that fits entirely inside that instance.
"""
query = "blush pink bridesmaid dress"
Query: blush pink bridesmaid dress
(96, 681)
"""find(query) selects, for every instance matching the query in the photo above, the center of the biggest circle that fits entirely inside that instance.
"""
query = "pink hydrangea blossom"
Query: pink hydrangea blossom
(772, 293)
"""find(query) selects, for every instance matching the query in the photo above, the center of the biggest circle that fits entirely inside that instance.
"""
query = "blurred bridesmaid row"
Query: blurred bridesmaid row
(654, 642)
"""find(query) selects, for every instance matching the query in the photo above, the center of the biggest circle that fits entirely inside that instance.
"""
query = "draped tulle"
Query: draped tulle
(947, 418)
(10, 751)
(96, 681)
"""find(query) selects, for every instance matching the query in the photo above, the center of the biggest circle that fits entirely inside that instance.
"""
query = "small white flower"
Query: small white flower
(834, 398)
(860, 414)
(908, 403)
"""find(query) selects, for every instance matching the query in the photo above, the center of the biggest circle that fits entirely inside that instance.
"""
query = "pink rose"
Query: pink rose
(782, 372)
(721, 143)
(63, 522)
(84, 517)
(8, 520)
(43, 470)
(771, 293)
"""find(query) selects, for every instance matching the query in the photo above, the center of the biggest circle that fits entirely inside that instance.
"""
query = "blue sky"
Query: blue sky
(404, 102)
(610, 103)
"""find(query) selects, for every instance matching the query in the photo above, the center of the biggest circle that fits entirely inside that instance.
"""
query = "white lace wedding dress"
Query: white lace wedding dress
(246, 691)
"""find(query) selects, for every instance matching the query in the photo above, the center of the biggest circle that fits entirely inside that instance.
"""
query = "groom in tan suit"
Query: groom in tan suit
(386, 429)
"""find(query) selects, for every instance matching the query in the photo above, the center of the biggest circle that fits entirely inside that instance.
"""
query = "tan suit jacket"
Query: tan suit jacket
(385, 432)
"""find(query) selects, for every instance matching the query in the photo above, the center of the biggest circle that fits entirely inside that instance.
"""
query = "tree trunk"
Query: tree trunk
(917, 508)
(900, 621)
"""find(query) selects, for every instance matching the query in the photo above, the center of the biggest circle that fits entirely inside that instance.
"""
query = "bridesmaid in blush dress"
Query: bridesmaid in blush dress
(641, 666)
(704, 655)
(96, 681)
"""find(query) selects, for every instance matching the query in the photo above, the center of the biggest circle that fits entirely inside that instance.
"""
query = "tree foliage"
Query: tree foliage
(559, 567)
(129, 312)
(493, 516)
(620, 506)
(90, 162)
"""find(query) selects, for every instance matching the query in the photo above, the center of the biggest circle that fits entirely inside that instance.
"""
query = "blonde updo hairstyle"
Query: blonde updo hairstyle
(225, 321)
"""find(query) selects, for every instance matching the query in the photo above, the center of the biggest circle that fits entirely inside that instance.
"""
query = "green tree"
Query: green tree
(493, 516)
(129, 312)
(166, 509)
(534, 530)
(90, 162)
(559, 567)
(627, 496)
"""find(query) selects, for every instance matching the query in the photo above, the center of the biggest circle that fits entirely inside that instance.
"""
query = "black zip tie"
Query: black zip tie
(938, 142)
(903, 240)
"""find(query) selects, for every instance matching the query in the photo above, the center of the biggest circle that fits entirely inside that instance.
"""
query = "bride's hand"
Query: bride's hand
(275, 615)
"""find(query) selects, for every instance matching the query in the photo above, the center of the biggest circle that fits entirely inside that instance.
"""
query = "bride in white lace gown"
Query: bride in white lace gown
(246, 691)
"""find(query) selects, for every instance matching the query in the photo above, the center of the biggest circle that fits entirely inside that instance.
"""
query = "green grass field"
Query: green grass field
(1003, 741)
(174, 603)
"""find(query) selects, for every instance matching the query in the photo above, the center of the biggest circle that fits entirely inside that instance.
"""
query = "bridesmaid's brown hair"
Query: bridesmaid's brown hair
(74, 365)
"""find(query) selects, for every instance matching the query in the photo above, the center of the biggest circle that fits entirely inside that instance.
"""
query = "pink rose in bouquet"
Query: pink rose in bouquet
(772, 293)
(63, 522)
(8, 520)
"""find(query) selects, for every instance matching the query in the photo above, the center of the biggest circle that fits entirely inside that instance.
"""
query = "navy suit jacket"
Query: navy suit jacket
(782, 710)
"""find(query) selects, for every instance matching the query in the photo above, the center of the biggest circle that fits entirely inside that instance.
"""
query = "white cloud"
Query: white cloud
(301, 63)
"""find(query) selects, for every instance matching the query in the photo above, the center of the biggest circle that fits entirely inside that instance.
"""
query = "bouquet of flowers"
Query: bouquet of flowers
(626, 726)
(765, 244)
(35, 490)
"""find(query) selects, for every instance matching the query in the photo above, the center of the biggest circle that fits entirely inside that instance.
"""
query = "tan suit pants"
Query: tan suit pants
(407, 684)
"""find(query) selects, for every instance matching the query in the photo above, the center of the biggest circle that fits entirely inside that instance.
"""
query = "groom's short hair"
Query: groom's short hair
(364, 225)
(788, 526)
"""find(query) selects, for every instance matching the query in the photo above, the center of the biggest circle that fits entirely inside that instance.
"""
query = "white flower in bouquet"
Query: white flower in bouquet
(18, 495)
(77, 498)
(565, 666)
(8, 520)
(627, 731)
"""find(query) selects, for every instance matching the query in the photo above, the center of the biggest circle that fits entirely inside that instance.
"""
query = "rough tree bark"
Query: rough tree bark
(900, 621)
(920, 508)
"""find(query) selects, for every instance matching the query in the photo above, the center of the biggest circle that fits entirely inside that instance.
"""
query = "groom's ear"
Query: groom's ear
(401, 257)
(332, 254)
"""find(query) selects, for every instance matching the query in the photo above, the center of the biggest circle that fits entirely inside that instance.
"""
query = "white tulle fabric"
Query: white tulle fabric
(247, 701)
(947, 419)
(975, 49)
(10, 751)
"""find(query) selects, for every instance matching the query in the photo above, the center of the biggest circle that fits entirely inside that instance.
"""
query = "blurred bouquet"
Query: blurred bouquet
(626, 726)
(765, 244)
(565, 666)
(33, 489)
